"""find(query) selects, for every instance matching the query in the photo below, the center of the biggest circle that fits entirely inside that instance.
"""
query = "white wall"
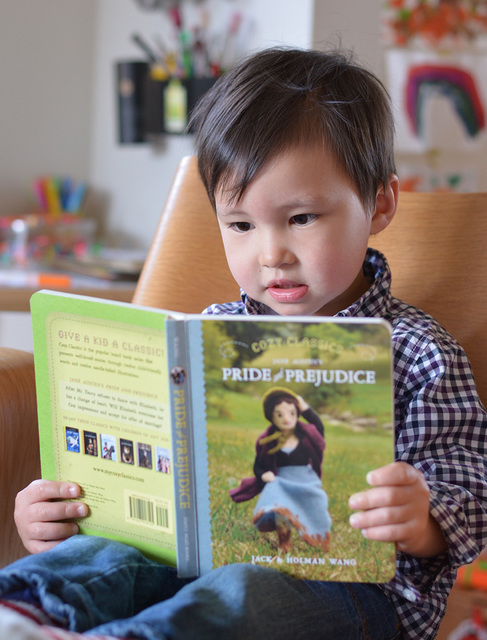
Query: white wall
(354, 25)
(46, 63)
(135, 179)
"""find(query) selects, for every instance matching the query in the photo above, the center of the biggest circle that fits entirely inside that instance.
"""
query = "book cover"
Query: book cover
(209, 440)
(105, 417)
(341, 370)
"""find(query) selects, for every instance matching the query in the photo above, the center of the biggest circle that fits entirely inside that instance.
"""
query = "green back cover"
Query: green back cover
(104, 415)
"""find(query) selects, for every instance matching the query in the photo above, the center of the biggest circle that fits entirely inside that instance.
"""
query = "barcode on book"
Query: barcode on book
(148, 511)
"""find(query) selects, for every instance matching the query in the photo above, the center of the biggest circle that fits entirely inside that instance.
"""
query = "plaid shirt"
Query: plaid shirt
(440, 429)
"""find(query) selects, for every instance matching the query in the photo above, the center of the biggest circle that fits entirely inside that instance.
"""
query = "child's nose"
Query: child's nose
(274, 252)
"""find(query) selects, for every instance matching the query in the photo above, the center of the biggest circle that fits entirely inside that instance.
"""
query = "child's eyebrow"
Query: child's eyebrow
(305, 203)
(227, 213)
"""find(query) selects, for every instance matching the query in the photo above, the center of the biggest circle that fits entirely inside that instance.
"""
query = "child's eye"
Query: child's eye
(303, 219)
(241, 227)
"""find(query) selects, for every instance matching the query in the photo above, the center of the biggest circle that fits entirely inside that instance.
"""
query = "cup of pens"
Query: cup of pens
(156, 95)
(55, 228)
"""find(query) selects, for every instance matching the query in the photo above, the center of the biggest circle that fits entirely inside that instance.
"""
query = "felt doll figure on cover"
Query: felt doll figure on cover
(287, 469)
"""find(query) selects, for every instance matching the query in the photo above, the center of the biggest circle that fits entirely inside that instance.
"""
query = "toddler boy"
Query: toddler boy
(295, 149)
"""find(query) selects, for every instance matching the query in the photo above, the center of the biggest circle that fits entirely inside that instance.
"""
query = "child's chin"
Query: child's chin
(289, 310)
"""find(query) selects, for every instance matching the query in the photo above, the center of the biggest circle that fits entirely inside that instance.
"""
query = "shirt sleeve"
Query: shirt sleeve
(441, 429)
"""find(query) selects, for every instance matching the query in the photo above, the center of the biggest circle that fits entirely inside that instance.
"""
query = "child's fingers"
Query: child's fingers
(41, 510)
(43, 490)
(384, 517)
(394, 484)
(378, 517)
(52, 531)
(395, 509)
(396, 473)
(399, 524)
(49, 535)
(389, 533)
(55, 511)
(386, 496)
(43, 525)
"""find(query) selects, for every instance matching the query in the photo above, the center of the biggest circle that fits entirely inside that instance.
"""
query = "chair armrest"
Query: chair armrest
(19, 442)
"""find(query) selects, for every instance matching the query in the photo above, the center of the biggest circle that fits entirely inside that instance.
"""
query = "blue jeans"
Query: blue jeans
(92, 585)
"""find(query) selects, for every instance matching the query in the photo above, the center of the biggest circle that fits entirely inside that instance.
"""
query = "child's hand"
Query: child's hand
(268, 476)
(40, 510)
(396, 510)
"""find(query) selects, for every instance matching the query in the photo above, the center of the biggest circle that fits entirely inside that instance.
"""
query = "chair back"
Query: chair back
(436, 250)
(186, 269)
(435, 246)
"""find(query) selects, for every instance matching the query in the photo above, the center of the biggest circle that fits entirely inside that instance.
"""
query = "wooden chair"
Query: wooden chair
(19, 443)
(187, 252)
(435, 246)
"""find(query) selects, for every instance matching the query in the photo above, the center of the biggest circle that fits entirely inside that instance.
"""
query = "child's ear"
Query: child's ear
(385, 205)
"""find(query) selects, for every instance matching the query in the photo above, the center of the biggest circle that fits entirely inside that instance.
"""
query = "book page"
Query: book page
(109, 424)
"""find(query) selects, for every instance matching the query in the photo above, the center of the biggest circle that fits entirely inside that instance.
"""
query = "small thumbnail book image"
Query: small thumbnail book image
(144, 453)
(297, 417)
(126, 451)
(163, 460)
(90, 441)
(72, 439)
(108, 446)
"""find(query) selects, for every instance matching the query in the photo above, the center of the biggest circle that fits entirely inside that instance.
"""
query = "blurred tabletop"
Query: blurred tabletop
(111, 274)
(17, 298)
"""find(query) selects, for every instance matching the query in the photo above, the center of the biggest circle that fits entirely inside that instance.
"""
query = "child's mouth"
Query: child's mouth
(286, 292)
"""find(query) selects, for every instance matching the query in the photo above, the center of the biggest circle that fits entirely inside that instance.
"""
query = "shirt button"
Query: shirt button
(409, 595)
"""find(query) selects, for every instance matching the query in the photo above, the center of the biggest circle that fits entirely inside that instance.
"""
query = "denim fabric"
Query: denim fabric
(92, 585)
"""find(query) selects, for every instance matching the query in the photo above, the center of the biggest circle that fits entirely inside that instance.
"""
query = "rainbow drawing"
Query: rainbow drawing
(454, 83)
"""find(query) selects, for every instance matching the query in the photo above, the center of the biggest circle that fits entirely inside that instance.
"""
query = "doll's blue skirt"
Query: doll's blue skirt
(297, 495)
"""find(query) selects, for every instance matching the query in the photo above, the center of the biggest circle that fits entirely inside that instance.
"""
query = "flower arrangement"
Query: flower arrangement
(435, 22)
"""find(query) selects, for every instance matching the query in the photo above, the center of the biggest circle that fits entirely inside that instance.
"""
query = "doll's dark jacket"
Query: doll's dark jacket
(311, 441)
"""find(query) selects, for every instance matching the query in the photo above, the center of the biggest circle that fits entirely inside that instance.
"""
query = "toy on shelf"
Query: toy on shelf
(56, 226)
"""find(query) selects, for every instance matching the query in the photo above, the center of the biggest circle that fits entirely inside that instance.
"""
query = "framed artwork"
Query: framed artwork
(439, 99)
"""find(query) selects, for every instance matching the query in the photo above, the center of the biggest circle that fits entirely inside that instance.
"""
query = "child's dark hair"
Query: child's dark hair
(279, 98)
(275, 396)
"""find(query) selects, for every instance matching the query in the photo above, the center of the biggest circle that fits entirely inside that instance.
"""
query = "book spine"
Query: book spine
(183, 449)
(200, 444)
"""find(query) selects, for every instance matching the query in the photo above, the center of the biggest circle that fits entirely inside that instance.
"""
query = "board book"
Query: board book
(158, 416)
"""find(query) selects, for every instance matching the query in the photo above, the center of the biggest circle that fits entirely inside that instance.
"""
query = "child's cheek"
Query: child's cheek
(243, 271)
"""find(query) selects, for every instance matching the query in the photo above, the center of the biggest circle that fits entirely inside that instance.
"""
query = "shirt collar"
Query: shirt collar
(373, 303)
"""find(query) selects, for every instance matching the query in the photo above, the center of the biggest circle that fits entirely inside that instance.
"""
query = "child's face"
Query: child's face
(297, 238)
(285, 416)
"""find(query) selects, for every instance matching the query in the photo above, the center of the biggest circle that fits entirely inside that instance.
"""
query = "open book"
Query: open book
(209, 440)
